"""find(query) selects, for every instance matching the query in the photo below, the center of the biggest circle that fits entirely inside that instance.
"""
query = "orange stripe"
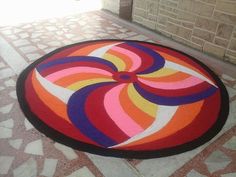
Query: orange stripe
(88, 49)
(183, 117)
(51, 101)
(68, 80)
(170, 78)
(125, 58)
(143, 119)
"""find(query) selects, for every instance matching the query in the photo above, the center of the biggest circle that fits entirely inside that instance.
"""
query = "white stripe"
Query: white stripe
(101, 51)
(169, 64)
(58, 91)
(164, 115)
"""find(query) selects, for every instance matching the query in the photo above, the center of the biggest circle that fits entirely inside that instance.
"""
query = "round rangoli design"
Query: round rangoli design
(123, 98)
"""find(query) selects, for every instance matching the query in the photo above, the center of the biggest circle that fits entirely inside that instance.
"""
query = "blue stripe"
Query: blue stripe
(158, 60)
(174, 101)
(49, 64)
(76, 112)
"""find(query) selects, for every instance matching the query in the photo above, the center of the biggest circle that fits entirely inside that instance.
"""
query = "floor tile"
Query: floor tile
(13, 95)
(24, 35)
(54, 43)
(2, 88)
(83, 172)
(21, 42)
(15, 143)
(2, 65)
(28, 125)
(229, 175)
(12, 57)
(167, 165)
(35, 148)
(5, 164)
(6, 73)
(10, 83)
(12, 37)
(28, 49)
(49, 167)
(194, 173)
(68, 152)
(51, 28)
(227, 77)
(33, 56)
(26, 169)
(217, 161)
(138, 37)
(231, 91)
(35, 35)
(5, 133)
(41, 46)
(7, 123)
(231, 120)
(109, 165)
(7, 32)
(231, 144)
(47, 50)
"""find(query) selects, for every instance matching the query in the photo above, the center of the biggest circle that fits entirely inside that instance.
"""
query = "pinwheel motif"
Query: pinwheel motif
(125, 95)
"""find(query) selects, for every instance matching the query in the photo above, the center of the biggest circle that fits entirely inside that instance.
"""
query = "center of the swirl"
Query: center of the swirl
(124, 76)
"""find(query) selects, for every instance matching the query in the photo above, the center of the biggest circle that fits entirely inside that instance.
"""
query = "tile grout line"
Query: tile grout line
(133, 168)
(118, 164)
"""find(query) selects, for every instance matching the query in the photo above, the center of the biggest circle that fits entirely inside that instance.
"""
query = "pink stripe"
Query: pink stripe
(74, 70)
(136, 60)
(189, 82)
(117, 114)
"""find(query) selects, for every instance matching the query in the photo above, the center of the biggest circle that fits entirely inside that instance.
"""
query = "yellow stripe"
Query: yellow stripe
(141, 103)
(80, 84)
(160, 73)
(120, 64)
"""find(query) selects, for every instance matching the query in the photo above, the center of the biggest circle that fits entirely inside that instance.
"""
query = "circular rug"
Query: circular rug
(123, 98)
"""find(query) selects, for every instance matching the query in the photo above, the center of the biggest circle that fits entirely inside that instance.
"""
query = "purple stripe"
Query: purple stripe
(60, 61)
(158, 60)
(76, 112)
(174, 101)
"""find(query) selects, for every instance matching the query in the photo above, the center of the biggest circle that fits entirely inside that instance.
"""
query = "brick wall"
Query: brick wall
(206, 25)
(111, 5)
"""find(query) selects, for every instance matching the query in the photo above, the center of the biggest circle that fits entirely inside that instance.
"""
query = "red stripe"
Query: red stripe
(96, 113)
(64, 52)
(180, 56)
(147, 60)
(203, 122)
(177, 92)
(67, 51)
(49, 117)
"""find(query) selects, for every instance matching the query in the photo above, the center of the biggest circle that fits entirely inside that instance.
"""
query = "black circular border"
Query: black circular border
(63, 139)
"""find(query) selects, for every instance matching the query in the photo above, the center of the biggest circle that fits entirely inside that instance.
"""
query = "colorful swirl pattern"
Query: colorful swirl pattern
(123, 95)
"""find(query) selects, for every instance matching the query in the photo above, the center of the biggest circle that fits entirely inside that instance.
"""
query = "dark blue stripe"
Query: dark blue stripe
(59, 61)
(76, 112)
(174, 101)
(158, 60)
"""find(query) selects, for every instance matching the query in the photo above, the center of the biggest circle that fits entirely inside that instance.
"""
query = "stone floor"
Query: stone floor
(24, 152)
